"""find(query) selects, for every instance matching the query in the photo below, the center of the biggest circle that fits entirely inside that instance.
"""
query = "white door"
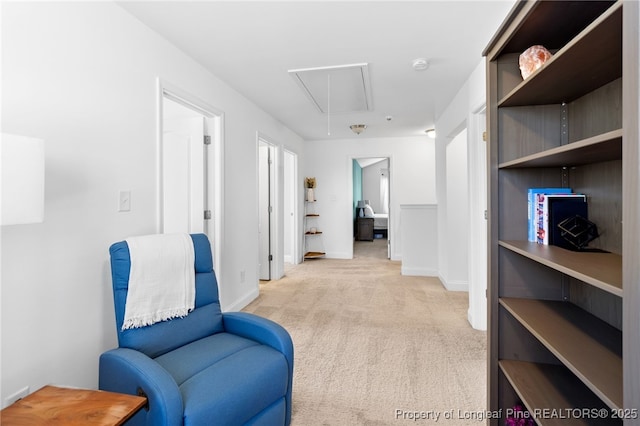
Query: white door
(183, 175)
(290, 215)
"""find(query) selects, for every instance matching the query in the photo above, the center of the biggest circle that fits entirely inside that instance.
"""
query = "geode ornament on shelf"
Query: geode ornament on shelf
(532, 59)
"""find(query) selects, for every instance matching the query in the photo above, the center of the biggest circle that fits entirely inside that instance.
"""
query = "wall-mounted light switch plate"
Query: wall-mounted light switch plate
(124, 201)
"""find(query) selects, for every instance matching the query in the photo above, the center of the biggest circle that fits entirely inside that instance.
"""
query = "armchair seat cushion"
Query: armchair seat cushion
(255, 375)
(189, 360)
(248, 371)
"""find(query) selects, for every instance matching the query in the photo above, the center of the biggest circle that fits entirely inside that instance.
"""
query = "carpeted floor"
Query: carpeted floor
(373, 347)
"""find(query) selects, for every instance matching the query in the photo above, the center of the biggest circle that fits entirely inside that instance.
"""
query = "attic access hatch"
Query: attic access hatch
(336, 89)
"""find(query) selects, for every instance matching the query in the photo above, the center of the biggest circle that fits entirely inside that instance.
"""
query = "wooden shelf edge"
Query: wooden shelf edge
(607, 146)
(586, 345)
(552, 387)
(601, 270)
(314, 254)
(552, 70)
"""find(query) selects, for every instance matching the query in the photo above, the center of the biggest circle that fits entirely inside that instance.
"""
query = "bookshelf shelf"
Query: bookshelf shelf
(603, 147)
(590, 60)
(553, 388)
(586, 345)
(601, 270)
(314, 254)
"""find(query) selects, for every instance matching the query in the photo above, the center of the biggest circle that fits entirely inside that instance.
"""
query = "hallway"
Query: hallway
(370, 342)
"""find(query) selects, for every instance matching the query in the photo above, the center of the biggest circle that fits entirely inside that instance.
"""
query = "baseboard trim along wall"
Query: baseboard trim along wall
(242, 302)
(454, 285)
(419, 272)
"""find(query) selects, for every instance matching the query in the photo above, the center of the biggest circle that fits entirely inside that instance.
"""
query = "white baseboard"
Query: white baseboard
(478, 325)
(242, 302)
(418, 272)
(338, 255)
(454, 285)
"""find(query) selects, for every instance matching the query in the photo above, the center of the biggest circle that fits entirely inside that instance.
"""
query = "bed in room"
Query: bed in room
(380, 220)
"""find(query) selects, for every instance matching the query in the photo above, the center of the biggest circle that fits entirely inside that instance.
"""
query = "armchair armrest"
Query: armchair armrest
(261, 330)
(268, 333)
(126, 370)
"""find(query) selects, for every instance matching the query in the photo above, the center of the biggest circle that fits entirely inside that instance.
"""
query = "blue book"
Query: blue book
(531, 205)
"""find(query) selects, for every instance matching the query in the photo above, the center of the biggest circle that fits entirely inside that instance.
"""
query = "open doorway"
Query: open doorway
(266, 203)
(371, 200)
(190, 153)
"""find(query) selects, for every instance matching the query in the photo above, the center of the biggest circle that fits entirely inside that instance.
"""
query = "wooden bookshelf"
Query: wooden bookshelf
(311, 241)
(563, 325)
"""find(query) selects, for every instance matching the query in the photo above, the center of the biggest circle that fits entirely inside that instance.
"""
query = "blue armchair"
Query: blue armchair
(208, 368)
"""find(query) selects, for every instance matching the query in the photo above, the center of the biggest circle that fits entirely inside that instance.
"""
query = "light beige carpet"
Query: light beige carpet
(373, 347)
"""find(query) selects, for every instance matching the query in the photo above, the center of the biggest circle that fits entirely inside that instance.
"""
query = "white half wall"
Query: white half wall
(419, 231)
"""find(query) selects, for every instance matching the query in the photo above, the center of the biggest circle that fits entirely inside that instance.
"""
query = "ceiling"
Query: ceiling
(252, 46)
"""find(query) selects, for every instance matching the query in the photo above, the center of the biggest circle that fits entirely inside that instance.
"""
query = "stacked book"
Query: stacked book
(547, 208)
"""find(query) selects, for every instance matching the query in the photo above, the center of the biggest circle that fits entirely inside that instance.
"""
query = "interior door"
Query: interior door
(183, 175)
(265, 208)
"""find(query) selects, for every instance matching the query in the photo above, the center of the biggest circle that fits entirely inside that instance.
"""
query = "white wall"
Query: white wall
(289, 209)
(460, 114)
(457, 212)
(83, 77)
(412, 164)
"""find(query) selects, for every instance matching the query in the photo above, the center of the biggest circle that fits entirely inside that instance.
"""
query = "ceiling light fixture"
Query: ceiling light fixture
(358, 128)
(431, 133)
(420, 64)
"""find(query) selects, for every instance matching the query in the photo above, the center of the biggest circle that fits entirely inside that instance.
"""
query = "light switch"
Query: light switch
(124, 201)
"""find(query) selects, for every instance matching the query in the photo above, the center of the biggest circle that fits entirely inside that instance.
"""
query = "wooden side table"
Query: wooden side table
(53, 405)
(365, 229)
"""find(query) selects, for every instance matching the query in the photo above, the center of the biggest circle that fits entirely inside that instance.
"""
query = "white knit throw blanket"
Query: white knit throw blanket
(162, 279)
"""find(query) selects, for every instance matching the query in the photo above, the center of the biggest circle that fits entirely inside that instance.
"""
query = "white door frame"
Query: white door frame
(477, 184)
(391, 237)
(277, 222)
(266, 194)
(215, 161)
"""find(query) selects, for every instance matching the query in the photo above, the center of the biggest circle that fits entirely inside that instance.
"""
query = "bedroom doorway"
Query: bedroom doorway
(372, 201)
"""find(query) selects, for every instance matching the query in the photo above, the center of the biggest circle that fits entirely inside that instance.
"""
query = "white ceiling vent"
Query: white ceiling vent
(336, 89)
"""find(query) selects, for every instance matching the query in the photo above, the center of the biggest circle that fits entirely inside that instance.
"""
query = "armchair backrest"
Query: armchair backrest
(159, 338)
